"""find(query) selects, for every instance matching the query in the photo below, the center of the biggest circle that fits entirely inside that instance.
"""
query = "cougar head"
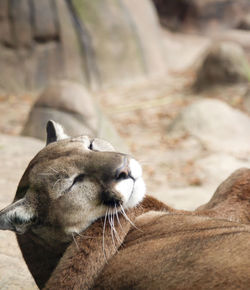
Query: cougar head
(69, 184)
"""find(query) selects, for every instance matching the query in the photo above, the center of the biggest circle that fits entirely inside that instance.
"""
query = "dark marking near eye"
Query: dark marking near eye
(91, 145)
(78, 178)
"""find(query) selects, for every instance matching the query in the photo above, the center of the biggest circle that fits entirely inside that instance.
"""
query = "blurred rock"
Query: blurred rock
(176, 14)
(216, 125)
(187, 198)
(239, 36)
(244, 22)
(96, 43)
(71, 105)
(124, 37)
(210, 170)
(215, 167)
(223, 64)
(211, 141)
(34, 53)
(145, 19)
(201, 14)
(15, 154)
(246, 100)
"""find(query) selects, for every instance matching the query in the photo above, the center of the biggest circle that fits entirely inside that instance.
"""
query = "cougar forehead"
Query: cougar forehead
(73, 182)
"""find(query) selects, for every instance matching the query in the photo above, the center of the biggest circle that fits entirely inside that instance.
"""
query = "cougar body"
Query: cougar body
(83, 221)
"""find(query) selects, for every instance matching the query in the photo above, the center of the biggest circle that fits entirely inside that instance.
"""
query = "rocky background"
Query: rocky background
(166, 80)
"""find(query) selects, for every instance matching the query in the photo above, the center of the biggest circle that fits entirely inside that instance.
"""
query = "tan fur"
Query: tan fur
(84, 259)
(72, 240)
(175, 251)
(205, 249)
(169, 249)
(232, 199)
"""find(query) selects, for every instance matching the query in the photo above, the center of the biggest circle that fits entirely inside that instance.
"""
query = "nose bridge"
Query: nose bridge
(107, 164)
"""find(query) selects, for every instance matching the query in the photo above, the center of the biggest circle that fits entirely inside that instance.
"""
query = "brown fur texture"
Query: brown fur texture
(84, 259)
(232, 199)
(168, 249)
(175, 251)
(40, 260)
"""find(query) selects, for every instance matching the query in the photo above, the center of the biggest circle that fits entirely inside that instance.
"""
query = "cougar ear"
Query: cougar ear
(54, 132)
(17, 217)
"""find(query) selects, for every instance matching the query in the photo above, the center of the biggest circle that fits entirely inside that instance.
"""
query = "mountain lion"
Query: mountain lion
(83, 221)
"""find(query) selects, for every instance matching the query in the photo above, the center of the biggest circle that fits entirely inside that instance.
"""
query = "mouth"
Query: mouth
(111, 199)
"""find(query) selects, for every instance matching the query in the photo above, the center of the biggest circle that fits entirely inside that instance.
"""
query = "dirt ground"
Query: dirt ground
(141, 113)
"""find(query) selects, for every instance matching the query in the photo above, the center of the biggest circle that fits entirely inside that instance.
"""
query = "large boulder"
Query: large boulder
(216, 125)
(215, 167)
(201, 14)
(66, 102)
(38, 44)
(211, 141)
(71, 105)
(244, 22)
(223, 63)
(97, 43)
(15, 154)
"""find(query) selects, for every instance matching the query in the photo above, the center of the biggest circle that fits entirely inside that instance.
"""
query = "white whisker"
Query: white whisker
(84, 236)
(111, 229)
(53, 169)
(45, 174)
(115, 231)
(75, 241)
(127, 218)
(117, 217)
(58, 180)
(103, 234)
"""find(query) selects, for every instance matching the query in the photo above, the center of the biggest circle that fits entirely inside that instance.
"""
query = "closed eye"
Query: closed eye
(78, 178)
(91, 145)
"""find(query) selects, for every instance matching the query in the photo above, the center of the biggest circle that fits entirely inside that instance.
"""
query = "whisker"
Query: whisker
(103, 234)
(84, 236)
(127, 218)
(53, 169)
(115, 231)
(45, 173)
(75, 241)
(58, 180)
(111, 229)
(139, 206)
(118, 220)
(117, 217)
